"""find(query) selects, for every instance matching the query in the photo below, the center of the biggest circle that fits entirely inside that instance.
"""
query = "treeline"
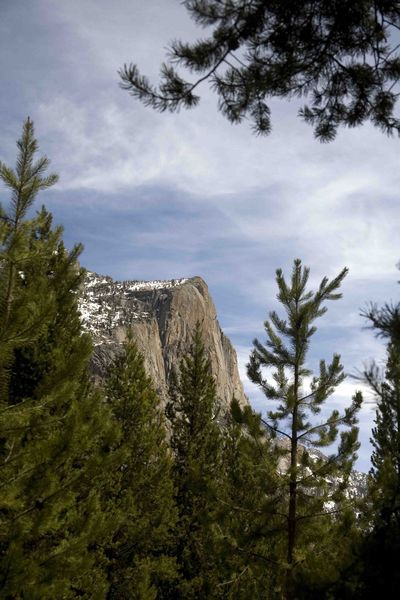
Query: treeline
(105, 493)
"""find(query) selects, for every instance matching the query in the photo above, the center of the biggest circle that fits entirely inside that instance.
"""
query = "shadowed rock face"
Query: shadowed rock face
(162, 316)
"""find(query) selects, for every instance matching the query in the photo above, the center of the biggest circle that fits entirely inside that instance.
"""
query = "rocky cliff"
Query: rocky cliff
(162, 316)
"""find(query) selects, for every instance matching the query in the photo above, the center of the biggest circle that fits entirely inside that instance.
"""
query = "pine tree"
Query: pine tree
(196, 442)
(341, 56)
(250, 505)
(382, 542)
(253, 522)
(55, 432)
(140, 561)
(21, 315)
(306, 474)
(36, 367)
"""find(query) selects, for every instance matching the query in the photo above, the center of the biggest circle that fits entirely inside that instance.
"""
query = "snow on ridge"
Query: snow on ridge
(135, 285)
(106, 304)
(157, 284)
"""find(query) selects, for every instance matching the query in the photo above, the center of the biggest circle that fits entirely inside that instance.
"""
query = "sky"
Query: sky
(161, 196)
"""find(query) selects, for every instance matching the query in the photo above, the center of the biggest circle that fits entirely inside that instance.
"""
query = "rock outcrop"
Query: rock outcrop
(162, 316)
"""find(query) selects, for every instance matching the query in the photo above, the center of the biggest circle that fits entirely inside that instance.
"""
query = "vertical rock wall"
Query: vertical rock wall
(162, 316)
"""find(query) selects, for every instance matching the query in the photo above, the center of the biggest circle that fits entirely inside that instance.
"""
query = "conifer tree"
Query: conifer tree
(254, 523)
(197, 445)
(36, 367)
(21, 316)
(250, 505)
(141, 564)
(382, 542)
(305, 473)
(55, 433)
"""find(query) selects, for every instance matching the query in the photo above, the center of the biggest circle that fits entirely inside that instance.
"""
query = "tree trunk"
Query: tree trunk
(292, 512)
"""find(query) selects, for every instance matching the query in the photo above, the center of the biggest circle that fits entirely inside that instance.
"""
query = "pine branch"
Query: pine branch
(276, 430)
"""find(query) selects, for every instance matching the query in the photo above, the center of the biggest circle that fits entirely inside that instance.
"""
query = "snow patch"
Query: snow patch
(106, 304)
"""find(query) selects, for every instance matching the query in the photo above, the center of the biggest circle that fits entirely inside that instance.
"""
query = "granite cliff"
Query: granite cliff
(162, 316)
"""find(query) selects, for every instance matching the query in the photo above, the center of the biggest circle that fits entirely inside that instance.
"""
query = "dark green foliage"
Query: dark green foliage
(254, 522)
(386, 433)
(196, 442)
(341, 56)
(311, 499)
(55, 433)
(250, 509)
(22, 313)
(382, 544)
(140, 565)
(384, 321)
(36, 368)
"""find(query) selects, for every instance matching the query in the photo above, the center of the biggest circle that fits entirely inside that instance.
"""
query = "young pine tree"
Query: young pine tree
(54, 431)
(140, 555)
(196, 442)
(307, 476)
(22, 314)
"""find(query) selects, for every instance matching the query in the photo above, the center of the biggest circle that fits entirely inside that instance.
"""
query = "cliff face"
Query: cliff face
(162, 316)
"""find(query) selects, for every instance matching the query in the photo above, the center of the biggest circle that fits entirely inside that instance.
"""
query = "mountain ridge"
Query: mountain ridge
(162, 315)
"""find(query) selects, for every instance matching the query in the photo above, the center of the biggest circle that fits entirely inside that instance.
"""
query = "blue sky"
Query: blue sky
(164, 196)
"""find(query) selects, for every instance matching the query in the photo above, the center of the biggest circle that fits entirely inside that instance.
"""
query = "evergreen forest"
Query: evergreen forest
(109, 493)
